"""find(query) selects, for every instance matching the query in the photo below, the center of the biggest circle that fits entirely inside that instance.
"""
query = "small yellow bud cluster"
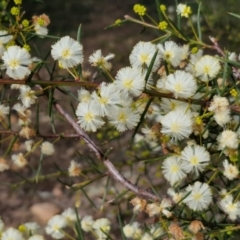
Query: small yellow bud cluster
(139, 9)
(18, 2)
(27, 47)
(163, 25)
(15, 11)
(163, 8)
(234, 92)
(22, 228)
(194, 50)
(4, 3)
(229, 232)
(233, 156)
(198, 120)
(164, 139)
(25, 23)
(60, 65)
(118, 22)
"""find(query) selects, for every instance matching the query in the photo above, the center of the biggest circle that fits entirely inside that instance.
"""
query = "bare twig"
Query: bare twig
(61, 135)
(100, 155)
(235, 71)
(42, 83)
(127, 17)
(51, 83)
(216, 46)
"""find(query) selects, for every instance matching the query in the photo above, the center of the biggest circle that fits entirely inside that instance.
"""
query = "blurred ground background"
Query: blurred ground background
(19, 205)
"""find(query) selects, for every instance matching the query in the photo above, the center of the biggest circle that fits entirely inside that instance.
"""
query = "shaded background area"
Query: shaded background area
(95, 16)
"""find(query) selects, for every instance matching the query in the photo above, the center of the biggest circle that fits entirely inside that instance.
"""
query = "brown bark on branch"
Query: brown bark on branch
(216, 46)
(100, 155)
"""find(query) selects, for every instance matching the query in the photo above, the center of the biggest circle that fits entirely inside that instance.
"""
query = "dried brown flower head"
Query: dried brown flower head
(195, 226)
(176, 231)
(139, 204)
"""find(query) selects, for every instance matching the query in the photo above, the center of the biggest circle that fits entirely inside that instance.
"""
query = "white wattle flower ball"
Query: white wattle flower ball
(29, 145)
(4, 39)
(74, 169)
(130, 80)
(17, 61)
(168, 105)
(177, 124)
(47, 148)
(228, 139)
(200, 196)
(207, 68)
(219, 104)
(88, 118)
(147, 236)
(185, 51)
(149, 134)
(170, 52)
(194, 57)
(70, 216)
(11, 233)
(222, 118)
(106, 100)
(128, 230)
(98, 60)
(124, 118)
(87, 223)
(4, 111)
(84, 95)
(176, 197)
(230, 207)
(183, 10)
(132, 230)
(173, 169)
(195, 158)
(41, 30)
(27, 95)
(102, 226)
(181, 84)
(230, 171)
(232, 56)
(68, 52)
(36, 237)
(55, 225)
(19, 160)
(31, 226)
(142, 54)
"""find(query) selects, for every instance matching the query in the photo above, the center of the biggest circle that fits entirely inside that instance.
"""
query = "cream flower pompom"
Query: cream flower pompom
(47, 148)
(17, 61)
(228, 139)
(177, 124)
(200, 196)
(181, 84)
(68, 52)
(207, 68)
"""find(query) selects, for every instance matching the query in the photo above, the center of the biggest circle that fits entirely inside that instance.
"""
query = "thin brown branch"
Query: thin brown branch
(127, 17)
(51, 83)
(42, 83)
(61, 135)
(216, 46)
(100, 155)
